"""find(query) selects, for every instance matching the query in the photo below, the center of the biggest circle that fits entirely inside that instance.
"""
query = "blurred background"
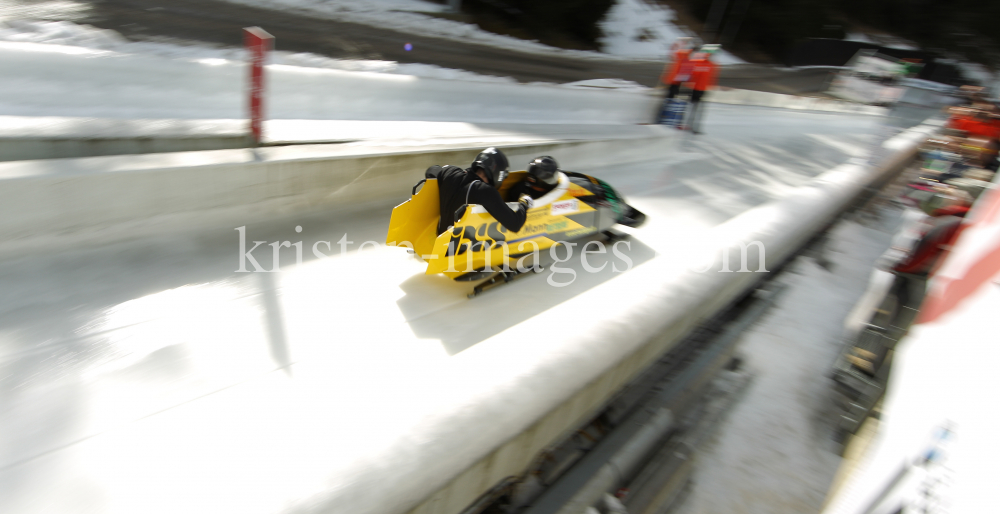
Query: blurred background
(199, 317)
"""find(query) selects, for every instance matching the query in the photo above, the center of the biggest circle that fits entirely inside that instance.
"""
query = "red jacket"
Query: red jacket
(681, 57)
(934, 243)
(703, 74)
(976, 127)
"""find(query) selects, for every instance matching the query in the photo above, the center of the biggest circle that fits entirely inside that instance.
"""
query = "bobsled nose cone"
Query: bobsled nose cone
(633, 218)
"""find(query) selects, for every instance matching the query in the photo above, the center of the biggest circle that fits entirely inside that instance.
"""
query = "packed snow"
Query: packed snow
(85, 36)
(111, 84)
(774, 454)
(632, 28)
(637, 29)
(381, 13)
(43, 10)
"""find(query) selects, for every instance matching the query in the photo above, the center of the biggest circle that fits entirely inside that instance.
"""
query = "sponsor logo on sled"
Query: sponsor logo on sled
(580, 232)
(565, 207)
(577, 191)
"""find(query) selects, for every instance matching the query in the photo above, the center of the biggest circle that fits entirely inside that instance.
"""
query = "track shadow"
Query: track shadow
(463, 322)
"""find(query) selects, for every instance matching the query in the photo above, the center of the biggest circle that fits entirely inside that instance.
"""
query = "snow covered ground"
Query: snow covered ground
(639, 29)
(58, 80)
(116, 78)
(774, 453)
(405, 16)
(84, 36)
(632, 28)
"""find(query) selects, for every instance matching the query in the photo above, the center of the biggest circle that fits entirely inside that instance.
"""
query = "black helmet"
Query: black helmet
(543, 170)
(493, 163)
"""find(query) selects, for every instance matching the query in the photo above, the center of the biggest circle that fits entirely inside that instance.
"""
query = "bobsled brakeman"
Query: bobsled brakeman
(477, 246)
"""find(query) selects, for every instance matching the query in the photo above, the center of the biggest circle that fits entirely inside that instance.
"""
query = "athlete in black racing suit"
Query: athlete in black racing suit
(477, 185)
(542, 178)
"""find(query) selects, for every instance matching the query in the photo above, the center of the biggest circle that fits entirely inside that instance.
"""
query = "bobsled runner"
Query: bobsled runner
(479, 247)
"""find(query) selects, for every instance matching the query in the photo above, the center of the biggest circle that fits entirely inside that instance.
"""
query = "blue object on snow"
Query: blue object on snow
(672, 112)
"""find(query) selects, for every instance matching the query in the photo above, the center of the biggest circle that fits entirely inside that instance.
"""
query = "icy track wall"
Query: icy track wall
(55, 202)
(114, 85)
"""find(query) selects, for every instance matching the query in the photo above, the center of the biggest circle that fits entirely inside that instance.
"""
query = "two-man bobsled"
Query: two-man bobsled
(578, 206)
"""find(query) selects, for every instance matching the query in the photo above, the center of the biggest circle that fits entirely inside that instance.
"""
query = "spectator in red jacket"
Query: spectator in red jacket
(678, 71)
(703, 78)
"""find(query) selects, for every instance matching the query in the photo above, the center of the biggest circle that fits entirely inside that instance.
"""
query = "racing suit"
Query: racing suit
(624, 213)
(458, 187)
(526, 188)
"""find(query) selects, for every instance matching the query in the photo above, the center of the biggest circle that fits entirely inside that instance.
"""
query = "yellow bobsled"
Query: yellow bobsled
(477, 243)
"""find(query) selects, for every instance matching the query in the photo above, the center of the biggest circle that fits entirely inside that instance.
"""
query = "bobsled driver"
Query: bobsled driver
(543, 176)
(479, 184)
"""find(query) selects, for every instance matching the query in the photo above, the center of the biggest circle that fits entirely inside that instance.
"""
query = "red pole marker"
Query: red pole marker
(258, 43)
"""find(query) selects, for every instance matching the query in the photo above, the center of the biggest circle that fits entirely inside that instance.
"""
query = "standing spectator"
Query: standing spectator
(675, 73)
(703, 77)
(681, 51)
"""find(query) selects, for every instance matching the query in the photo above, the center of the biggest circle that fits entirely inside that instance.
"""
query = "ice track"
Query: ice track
(148, 376)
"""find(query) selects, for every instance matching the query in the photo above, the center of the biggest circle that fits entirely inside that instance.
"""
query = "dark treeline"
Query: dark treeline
(766, 30)
(963, 28)
(562, 23)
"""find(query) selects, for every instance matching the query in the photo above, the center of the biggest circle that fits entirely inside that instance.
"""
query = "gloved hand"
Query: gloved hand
(528, 201)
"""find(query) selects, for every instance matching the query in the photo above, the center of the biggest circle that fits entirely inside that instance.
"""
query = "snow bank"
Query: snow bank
(56, 80)
(773, 428)
(638, 29)
(383, 14)
(632, 28)
(85, 36)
